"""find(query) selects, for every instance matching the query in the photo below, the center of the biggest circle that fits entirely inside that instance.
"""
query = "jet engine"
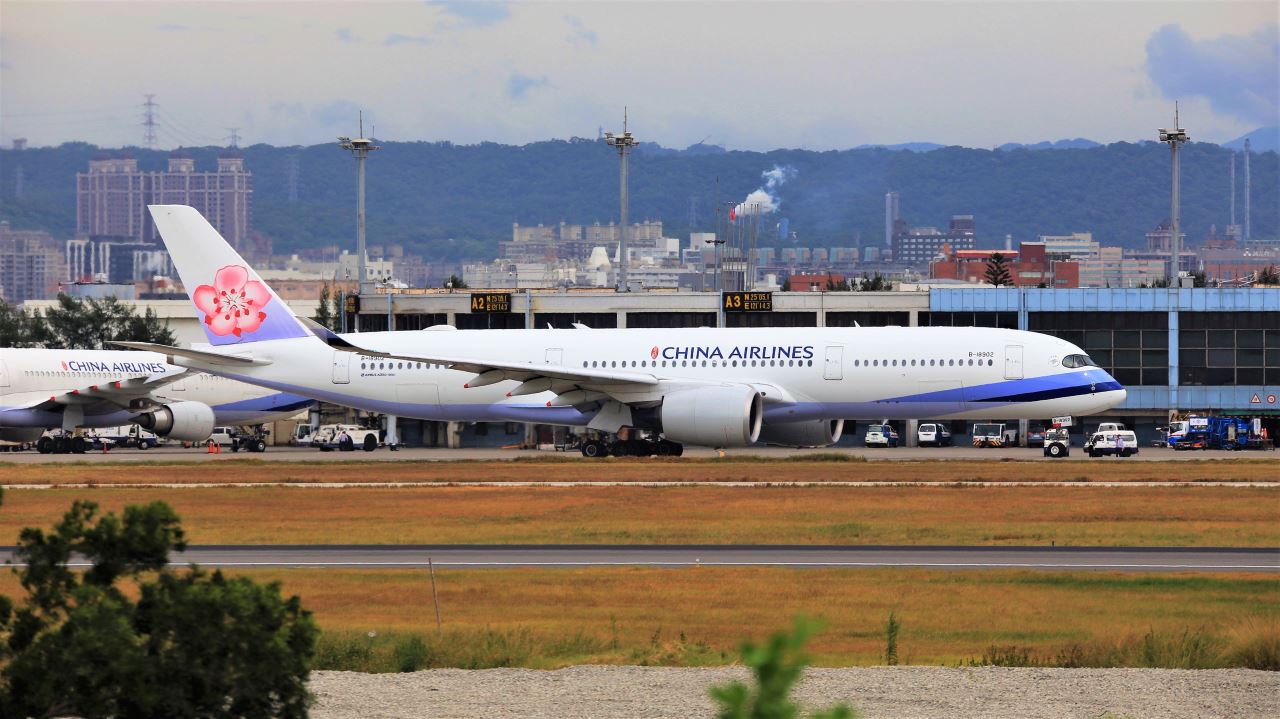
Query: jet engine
(723, 416)
(186, 421)
(813, 433)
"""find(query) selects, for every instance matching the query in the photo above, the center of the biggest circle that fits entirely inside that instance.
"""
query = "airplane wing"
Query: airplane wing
(133, 393)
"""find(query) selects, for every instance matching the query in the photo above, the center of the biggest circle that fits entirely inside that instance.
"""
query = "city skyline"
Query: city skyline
(741, 75)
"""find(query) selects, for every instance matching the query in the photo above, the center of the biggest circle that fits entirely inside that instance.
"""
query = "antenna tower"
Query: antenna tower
(360, 148)
(1248, 188)
(1176, 137)
(623, 144)
(149, 121)
(233, 137)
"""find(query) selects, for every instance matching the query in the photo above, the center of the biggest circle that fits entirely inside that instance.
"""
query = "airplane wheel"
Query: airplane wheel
(619, 449)
(78, 445)
(44, 445)
(662, 449)
(370, 443)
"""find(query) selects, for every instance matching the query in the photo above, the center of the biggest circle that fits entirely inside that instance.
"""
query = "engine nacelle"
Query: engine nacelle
(186, 421)
(812, 433)
(724, 416)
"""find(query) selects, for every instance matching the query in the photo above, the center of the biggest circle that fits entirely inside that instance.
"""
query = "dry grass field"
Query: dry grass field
(952, 514)
(558, 617)
(544, 468)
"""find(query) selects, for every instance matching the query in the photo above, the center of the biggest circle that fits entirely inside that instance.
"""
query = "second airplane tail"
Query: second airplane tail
(233, 303)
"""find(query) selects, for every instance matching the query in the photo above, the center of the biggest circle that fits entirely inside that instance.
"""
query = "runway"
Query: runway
(1114, 559)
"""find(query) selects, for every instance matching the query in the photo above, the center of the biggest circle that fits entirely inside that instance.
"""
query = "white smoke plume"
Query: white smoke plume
(764, 196)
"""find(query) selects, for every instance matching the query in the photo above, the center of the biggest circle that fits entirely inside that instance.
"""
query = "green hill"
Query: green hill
(454, 201)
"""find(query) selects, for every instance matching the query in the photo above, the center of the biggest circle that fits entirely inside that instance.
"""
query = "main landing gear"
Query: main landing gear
(631, 448)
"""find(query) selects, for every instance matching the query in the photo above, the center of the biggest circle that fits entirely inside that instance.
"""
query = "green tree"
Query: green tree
(775, 667)
(786, 285)
(456, 283)
(92, 324)
(1267, 276)
(834, 286)
(327, 310)
(997, 272)
(875, 283)
(193, 644)
(15, 327)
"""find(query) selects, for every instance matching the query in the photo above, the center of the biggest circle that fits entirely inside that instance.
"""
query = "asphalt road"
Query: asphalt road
(432, 454)
(1116, 559)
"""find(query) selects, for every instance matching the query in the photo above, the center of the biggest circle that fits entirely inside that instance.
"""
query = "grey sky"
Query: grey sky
(817, 75)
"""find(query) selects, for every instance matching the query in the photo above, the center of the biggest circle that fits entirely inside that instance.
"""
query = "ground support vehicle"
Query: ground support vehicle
(881, 435)
(344, 438)
(254, 440)
(1119, 443)
(933, 434)
(989, 434)
(1229, 433)
(130, 435)
(1057, 443)
(302, 435)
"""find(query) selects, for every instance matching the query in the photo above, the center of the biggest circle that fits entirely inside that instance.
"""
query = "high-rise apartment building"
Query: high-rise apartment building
(112, 197)
(30, 265)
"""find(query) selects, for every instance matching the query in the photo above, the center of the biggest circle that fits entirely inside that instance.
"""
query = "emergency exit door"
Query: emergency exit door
(341, 367)
(832, 367)
(1013, 362)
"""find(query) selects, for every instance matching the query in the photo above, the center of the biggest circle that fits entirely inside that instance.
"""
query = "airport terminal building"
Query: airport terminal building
(1189, 350)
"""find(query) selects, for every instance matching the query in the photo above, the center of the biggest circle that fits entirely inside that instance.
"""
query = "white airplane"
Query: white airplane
(72, 389)
(714, 387)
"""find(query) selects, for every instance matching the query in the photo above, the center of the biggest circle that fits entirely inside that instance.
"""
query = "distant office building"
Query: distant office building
(549, 243)
(1029, 266)
(1075, 246)
(112, 197)
(109, 259)
(1113, 269)
(920, 245)
(892, 213)
(30, 265)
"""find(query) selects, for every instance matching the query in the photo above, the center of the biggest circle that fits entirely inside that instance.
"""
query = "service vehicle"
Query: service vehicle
(933, 434)
(344, 438)
(1229, 433)
(1035, 435)
(1119, 443)
(989, 434)
(130, 435)
(881, 435)
(302, 435)
(1057, 442)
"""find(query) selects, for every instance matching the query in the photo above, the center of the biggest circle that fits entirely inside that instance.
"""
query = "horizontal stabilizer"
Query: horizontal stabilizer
(212, 358)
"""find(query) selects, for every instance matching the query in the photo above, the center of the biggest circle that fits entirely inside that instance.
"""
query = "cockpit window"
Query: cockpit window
(1073, 361)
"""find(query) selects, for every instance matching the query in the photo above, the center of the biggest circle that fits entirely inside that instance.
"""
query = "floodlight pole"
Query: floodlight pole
(1175, 137)
(360, 148)
(623, 143)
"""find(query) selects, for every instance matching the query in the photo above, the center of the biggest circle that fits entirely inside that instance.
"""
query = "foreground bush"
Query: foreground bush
(192, 644)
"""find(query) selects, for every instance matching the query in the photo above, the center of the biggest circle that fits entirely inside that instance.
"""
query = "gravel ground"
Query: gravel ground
(603, 692)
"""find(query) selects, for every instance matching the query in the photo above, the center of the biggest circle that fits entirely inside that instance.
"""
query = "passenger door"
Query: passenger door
(341, 367)
(1013, 362)
(832, 367)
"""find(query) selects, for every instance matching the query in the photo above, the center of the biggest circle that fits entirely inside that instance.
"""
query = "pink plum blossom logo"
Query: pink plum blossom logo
(233, 304)
(654, 353)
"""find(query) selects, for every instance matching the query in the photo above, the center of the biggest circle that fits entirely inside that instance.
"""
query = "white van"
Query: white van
(932, 434)
(1120, 443)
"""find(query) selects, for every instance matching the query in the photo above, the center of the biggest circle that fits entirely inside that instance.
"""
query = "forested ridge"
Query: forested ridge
(450, 201)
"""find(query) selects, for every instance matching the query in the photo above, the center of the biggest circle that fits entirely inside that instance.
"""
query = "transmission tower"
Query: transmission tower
(149, 121)
(233, 137)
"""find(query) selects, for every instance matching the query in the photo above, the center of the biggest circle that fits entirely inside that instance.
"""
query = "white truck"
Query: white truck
(344, 438)
(130, 435)
(1110, 441)
(933, 434)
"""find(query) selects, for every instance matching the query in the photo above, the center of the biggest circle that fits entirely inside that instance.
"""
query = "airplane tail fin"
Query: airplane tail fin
(231, 300)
